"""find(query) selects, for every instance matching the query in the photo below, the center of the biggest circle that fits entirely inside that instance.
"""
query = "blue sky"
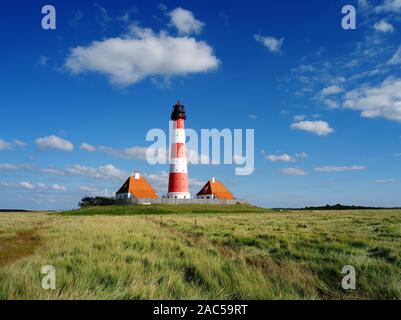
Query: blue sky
(76, 102)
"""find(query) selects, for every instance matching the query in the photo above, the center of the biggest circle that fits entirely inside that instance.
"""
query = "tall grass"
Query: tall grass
(228, 253)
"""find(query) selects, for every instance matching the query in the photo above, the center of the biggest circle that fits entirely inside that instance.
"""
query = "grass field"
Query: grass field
(194, 252)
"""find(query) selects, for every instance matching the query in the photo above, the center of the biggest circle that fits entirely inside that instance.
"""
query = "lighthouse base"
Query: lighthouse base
(179, 195)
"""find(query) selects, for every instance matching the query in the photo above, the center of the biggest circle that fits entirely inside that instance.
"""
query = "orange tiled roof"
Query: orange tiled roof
(140, 188)
(217, 188)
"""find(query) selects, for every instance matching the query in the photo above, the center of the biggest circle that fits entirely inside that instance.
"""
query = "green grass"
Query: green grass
(164, 209)
(239, 252)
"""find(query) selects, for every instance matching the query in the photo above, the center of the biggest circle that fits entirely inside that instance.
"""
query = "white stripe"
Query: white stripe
(178, 165)
(178, 136)
(179, 195)
(178, 161)
(178, 168)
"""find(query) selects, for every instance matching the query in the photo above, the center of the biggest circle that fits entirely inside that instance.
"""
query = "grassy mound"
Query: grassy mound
(164, 209)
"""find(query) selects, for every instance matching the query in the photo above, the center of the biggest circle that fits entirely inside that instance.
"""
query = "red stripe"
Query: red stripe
(178, 124)
(178, 182)
(178, 150)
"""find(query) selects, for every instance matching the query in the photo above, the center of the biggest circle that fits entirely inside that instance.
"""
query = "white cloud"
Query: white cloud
(327, 96)
(396, 58)
(97, 192)
(108, 171)
(196, 183)
(331, 169)
(54, 142)
(252, 116)
(302, 155)
(300, 117)
(87, 147)
(19, 143)
(293, 172)
(364, 4)
(41, 186)
(57, 187)
(142, 53)
(281, 158)
(158, 180)
(26, 185)
(331, 103)
(6, 145)
(389, 6)
(321, 128)
(272, 44)
(43, 60)
(131, 153)
(332, 90)
(126, 15)
(8, 166)
(185, 22)
(80, 170)
(4, 184)
(384, 26)
(91, 189)
(383, 100)
(386, 180)
(52, 171)
(338, 80)
(77, 17)
(304, 68)
(102, 17)
(127, 153)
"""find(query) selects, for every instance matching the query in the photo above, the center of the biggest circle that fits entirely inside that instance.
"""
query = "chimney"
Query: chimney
(213, 180)
(137, 175)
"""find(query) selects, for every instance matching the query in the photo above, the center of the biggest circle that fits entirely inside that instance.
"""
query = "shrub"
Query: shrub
(96, 201)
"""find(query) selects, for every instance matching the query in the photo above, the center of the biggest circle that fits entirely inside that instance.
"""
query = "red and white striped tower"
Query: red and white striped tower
(178, 178)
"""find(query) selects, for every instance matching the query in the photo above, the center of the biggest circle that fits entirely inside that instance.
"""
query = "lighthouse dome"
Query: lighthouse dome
(178, 112)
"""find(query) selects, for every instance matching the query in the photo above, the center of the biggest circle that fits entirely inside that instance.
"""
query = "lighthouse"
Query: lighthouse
(178, 178)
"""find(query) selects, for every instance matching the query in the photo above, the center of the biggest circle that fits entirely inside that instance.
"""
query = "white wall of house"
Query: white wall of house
(124, 196)
(206, 196)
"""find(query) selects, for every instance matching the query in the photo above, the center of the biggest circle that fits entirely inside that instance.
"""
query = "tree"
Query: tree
(96, 201)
